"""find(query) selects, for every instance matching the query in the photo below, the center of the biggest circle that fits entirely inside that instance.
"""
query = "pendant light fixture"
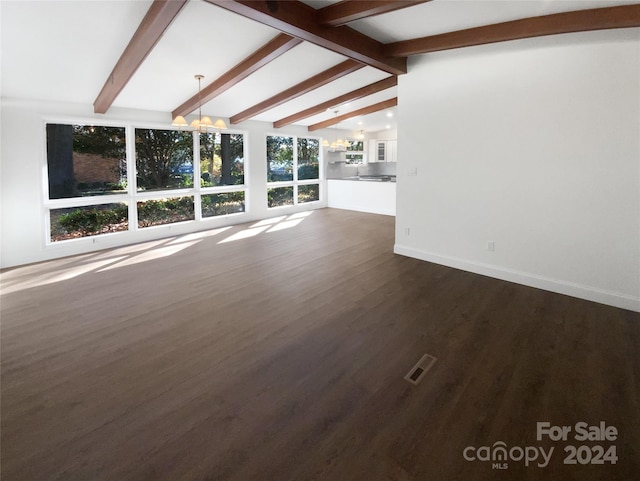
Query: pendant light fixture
(338, 145)
(201, 124)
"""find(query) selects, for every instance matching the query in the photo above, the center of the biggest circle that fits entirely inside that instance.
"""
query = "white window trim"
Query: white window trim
(295, 182)
(132, 196)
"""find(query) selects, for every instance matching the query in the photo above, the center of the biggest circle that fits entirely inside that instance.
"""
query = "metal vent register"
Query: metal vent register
(417, 372)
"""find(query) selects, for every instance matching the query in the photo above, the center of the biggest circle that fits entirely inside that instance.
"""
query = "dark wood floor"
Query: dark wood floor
(281, 356)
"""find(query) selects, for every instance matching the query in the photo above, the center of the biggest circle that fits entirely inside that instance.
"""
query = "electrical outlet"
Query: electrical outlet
(491, 246)
(412, 172)
(407, 231)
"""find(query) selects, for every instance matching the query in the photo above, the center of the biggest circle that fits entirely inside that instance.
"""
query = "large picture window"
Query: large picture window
(293, 170)
(112, 179)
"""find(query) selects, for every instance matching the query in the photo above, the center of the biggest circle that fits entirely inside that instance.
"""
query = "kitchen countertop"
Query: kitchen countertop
(368, 178)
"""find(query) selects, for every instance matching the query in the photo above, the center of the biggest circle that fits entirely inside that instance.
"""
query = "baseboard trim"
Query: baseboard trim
(548, 284)
(366, 209)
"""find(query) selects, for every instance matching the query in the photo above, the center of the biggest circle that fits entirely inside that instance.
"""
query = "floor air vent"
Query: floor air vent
(417, 372)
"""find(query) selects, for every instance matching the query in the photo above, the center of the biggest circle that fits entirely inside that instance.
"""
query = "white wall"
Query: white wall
(534, 145)
(387, 134)
(22, 174)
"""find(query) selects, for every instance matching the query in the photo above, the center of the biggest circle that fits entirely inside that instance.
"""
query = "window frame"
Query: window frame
(363, 152)
(131, 196)
(221, 189)
(133, 178)
(296, 182)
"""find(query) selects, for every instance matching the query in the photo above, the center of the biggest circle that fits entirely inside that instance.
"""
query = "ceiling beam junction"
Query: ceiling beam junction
(301, 21)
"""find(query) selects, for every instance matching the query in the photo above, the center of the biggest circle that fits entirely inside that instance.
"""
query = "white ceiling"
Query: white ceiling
(440, 16)
(64, 50)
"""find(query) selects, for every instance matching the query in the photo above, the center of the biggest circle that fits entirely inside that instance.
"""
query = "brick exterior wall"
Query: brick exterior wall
(92, 168)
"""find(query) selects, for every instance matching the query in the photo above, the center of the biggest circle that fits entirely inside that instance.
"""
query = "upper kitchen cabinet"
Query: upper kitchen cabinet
(392, 150)
(383, 150)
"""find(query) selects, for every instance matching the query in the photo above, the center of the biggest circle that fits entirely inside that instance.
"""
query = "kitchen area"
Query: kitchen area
(362, 175)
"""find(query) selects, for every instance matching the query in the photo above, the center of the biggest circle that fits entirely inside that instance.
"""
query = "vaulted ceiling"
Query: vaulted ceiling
(285, 62)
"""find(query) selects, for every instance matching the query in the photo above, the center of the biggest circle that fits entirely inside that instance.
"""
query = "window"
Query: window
(75, 222)
(308, 159)
(308, 193)
(97, 186)
(221, 159)
(280, 196)
(164, 159)
(279, 158)
(293, 170)
(222, 204)
(85, 160)
(86, 181)
(355, 152)
(165, 211)
(222, 174)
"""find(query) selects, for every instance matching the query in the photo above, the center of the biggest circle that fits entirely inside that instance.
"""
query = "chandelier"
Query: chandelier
(201, 124)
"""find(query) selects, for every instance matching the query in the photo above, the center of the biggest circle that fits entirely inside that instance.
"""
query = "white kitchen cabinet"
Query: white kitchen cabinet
(382, 150)
(373, 151)
(392, 150)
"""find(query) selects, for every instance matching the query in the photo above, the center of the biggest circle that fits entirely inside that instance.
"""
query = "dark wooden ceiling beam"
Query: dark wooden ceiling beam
(347, 11)
(577, 21)
(385, 104)
(301, 88)
(348, 97)
(153, 25)
(270, 51)
(301, 21)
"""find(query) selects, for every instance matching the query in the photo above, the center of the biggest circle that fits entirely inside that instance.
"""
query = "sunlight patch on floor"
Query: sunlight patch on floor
(132, 249)
(51, 272)
(58, 276)
(198, 235)
(287, 224)
(301, 215)
(272, 224)
(272, 220)
(244, 234)
(151, 255)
